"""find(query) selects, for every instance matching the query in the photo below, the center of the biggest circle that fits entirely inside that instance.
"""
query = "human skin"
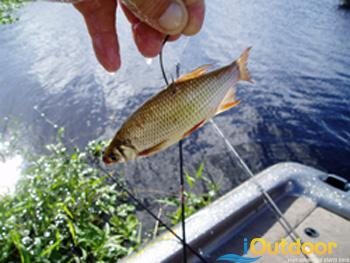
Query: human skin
(150, 21)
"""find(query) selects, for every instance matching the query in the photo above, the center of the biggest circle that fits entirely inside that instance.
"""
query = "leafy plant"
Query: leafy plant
(7, 8)
(194, 201)
(65, 211)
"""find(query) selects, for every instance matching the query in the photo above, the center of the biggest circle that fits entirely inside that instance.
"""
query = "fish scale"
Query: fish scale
(193, 107)
(176, 111)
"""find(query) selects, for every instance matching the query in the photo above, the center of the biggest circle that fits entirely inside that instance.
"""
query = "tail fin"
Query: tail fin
(242, 66)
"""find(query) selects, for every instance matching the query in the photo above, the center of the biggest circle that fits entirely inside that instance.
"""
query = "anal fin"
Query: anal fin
(228, 102)
(197, 126)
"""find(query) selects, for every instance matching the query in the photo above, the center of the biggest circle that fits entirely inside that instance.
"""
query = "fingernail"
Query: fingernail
(173, 17)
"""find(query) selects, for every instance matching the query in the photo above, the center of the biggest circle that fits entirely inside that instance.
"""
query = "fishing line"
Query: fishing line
(139, 203)
(51, 123)
(182, 184)
(280, 217)
(96, 162)
(182, 196)
(161, 61)
(182, 190)
(267, 198)
(43, 115)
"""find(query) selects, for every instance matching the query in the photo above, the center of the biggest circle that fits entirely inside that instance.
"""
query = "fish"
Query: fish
(177, 111)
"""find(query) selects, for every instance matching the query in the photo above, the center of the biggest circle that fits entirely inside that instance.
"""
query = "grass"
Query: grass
(65, 210)
(7, 10)
(194, 199)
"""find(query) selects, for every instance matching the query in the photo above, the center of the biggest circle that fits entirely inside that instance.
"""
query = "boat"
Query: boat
(315, 205)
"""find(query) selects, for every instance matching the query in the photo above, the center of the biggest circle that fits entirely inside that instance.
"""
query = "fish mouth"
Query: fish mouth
(107, 160)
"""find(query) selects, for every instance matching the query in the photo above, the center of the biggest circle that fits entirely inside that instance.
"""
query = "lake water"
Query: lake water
(297, 110)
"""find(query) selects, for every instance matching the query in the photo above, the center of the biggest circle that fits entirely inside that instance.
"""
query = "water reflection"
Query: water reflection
(10, 169)
(298, 110)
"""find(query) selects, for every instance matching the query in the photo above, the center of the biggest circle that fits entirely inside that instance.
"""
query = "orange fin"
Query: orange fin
(153, 149)
(242, 66)
(194, 74)
(228, 102)
(195, 127)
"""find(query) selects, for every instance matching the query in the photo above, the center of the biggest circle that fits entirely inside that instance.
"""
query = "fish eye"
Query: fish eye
(113, 157)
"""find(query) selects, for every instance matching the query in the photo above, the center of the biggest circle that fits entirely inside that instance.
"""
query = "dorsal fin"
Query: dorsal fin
(195, 73)
(228, 102)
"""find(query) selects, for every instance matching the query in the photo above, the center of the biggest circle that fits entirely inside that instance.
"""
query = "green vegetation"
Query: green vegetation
(194, 201)
(66, 210)
(7, 9)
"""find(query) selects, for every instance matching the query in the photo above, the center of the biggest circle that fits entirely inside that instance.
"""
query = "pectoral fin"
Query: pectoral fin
(228, 102)
(156, 148)
(197, 126)
(194, 74)
(128, 152)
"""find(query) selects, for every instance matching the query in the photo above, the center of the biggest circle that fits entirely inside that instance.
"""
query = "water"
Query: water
(298, 110)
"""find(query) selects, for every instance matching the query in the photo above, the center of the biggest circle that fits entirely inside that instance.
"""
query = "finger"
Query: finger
(100, 16)
(129, 15)
(148, 40)
(174, 37)
(196, 11)
(169, 17)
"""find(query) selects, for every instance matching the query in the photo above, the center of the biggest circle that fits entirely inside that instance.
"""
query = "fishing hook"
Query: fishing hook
(182, 184)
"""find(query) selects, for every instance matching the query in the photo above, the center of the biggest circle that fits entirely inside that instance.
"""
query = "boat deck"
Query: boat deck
(303, 214)
(316, 205)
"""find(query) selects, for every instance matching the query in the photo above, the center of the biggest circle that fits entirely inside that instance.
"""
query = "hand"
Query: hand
(151, 21)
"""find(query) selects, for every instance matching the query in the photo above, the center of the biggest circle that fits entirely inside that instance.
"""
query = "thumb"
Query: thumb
(167, 16)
